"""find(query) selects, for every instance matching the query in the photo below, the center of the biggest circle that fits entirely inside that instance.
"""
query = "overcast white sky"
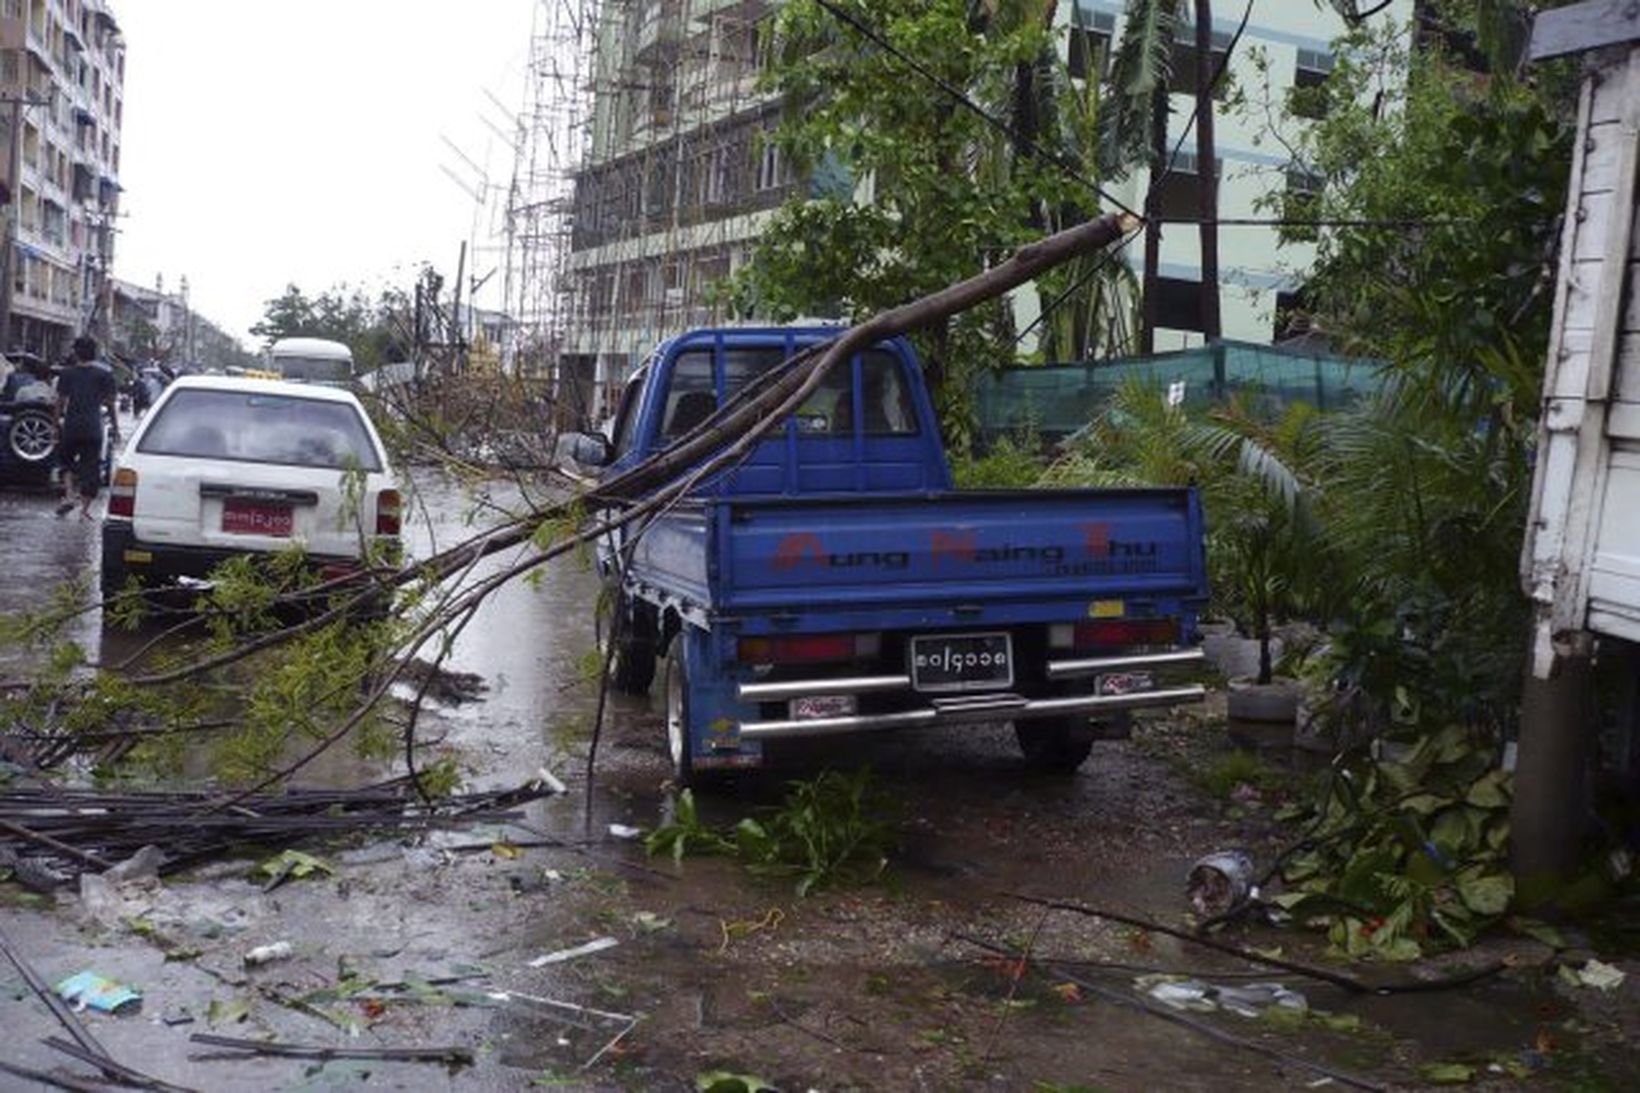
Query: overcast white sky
(276, 141)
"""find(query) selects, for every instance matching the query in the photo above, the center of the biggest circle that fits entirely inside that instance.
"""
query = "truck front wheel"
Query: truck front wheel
(632, 667)
(1055, 745)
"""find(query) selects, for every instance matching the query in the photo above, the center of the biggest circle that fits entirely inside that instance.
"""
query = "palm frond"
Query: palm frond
(1143, 62)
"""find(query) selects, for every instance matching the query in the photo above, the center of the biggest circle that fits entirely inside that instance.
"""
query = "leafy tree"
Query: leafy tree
(949, 190)
(375, 330)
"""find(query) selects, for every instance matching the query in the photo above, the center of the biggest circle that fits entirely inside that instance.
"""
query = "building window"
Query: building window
(1178, 303)
(1301, 200)
(771, 166)
(1308, 97)
(1088, 52)
(1178, 193)
(1184, 61)
(1292, 315)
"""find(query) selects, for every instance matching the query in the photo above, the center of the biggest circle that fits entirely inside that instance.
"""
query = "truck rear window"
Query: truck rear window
(253, 427)
(885, 403)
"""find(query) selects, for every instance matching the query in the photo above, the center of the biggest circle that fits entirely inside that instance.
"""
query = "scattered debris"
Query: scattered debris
(292, 865)
(597, 945)
(1596, 974)
(622, 831)
(1244, 1000)
(267, 954)
(88, 990)
(630, 1020)
(546, 778)
(1220, 881)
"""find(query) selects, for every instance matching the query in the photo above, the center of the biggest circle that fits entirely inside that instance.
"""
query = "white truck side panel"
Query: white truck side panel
(1581, 562)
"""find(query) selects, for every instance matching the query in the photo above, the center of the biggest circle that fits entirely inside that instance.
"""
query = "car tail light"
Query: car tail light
(122, 493)
(807, 648)
(1114, 633)
(387, 512)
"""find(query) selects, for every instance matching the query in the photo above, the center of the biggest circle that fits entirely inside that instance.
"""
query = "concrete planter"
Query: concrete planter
(1262, 715)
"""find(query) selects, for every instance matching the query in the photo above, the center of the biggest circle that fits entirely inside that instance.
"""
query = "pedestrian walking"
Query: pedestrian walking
(85, 390)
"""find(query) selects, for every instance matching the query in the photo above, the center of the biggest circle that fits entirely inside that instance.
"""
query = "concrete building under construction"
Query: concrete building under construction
(674, 184)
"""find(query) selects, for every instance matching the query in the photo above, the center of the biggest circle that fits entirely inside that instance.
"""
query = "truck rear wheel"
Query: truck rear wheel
(679, 743)
(632, 668)
(1055, 745)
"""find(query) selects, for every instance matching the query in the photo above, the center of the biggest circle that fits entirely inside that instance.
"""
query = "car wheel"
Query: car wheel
(1055, 745)
(32, 437)
(632, 668)
(116, 579)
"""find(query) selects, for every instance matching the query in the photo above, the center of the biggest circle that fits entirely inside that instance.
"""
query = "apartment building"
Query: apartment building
(676, 182)
(1259, 275)
(62, 105)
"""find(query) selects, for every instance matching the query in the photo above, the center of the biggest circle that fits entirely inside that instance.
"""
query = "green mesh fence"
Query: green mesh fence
(1057, 400)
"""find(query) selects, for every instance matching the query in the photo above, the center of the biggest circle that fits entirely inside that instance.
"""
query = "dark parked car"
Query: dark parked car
(28, 425)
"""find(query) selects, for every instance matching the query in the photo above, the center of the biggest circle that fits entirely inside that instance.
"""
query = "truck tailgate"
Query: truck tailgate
(961, 551)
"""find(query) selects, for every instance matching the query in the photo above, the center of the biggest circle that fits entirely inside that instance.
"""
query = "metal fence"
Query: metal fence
(1054, 401)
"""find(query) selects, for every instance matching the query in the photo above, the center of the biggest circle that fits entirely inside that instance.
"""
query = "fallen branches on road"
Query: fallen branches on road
(73, 828)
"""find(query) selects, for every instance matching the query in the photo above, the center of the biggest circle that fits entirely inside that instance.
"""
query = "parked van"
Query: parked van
(312, 360)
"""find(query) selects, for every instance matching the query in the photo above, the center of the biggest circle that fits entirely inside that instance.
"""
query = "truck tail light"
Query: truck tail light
(1113, 633)
(387, 512)
(122, 494)
(807, 648)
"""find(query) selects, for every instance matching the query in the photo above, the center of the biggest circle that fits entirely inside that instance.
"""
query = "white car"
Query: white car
(224, 466)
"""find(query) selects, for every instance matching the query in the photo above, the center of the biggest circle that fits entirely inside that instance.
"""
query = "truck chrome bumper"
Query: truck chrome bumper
(1069, 669)
(964, 708)
(859, 685)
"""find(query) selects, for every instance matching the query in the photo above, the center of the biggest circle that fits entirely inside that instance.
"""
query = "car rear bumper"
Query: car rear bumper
(168, 562)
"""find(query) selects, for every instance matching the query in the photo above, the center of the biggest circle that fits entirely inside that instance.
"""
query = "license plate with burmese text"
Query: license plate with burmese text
(962, 662)
(257, 518)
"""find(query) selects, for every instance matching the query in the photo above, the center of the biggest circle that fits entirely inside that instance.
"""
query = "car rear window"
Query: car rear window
(253, 427)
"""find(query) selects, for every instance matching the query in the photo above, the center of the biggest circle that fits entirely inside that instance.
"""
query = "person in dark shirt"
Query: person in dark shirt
(84, 390)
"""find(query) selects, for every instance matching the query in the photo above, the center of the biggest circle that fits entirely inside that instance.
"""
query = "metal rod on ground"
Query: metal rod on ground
(1309, 971)
(47, 841)
(1354, 986)
(451, 1054)
(1127, 1001)
(109, 1066)
(61, 1081)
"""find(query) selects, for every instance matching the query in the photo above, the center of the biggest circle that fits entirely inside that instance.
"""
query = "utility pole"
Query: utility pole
(1207, 174)
(14, 184)
(1153, 219)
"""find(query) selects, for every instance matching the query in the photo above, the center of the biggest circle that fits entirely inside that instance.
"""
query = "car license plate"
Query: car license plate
(815, 707)
(257, 518)
(961, 662)
(1123, 683)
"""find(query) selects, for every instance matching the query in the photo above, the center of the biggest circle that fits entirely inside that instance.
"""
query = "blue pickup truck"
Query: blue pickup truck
(835, 582)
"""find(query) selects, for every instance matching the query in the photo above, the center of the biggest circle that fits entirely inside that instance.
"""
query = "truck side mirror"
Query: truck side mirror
(591, 449)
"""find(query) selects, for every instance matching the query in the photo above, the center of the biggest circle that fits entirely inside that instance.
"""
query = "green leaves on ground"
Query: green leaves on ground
(828, 831)
(1407, 856)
